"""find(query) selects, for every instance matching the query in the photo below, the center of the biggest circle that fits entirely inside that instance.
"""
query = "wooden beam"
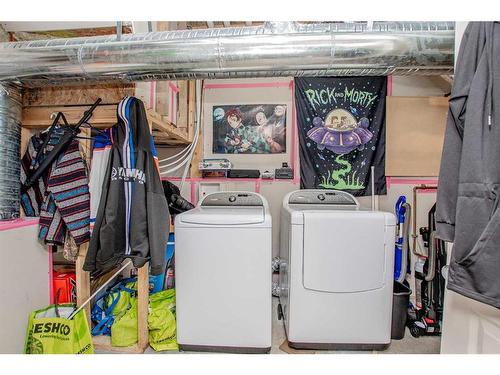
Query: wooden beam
(197, 156)
(103, 117)
(142, 306)
(40, 117)
(159, 123)
(191, 109)
(183, 109)
(110, 93)
(162, 106)
(82, 281)
(448, 79)
(73, 33)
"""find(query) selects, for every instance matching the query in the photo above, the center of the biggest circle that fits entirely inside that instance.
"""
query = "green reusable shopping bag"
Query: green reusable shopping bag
(161, 321)
(50, 332)
(124, 331)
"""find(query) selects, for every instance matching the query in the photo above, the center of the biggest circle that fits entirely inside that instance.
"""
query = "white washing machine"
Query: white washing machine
(223, 274)
(336, 272)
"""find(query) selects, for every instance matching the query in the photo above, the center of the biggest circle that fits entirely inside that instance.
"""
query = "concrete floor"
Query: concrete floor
(408, 345)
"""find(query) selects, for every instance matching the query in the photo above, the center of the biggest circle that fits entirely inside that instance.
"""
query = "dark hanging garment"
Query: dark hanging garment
(133, 219)
(469, 179)
(341, 127)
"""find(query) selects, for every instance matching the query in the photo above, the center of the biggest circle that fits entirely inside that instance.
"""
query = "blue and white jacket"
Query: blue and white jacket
(132, 220)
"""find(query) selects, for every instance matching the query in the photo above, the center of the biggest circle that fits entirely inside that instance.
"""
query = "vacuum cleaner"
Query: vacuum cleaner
(425, 317)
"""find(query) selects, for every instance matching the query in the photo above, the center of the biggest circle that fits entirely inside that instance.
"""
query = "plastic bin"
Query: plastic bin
(400, 302)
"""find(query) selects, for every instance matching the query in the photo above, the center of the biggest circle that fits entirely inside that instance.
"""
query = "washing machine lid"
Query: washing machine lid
(227, 208)
(344, 251)
(224, 216)
(320, 198)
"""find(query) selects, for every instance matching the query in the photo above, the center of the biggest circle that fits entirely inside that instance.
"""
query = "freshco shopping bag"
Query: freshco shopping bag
(124, 331)
(50, 332)
(161, 321)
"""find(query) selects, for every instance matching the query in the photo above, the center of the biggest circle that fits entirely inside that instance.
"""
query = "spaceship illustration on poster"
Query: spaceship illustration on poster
(340, 132)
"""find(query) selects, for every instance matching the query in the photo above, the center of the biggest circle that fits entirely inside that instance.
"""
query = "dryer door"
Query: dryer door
(344, 251)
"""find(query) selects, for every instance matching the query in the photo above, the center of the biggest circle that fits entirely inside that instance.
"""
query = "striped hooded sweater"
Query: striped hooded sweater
(61, 196)
(132, 219)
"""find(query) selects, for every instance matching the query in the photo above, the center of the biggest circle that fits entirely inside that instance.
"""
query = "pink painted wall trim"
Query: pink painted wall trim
(427, 191)
(409, 181)
(193, 192)
(257, 186)
(173, 87)
(245, 85)
(17, 223)
(224, 179)
(389, 86)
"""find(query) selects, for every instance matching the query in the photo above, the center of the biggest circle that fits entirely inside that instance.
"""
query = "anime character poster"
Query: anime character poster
(341, 126)
(249, 129)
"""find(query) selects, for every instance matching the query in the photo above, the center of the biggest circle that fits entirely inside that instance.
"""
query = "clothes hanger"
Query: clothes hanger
(69, 133)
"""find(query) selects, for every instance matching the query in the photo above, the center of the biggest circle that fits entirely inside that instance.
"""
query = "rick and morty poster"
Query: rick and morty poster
(341, 125)
(249, 129)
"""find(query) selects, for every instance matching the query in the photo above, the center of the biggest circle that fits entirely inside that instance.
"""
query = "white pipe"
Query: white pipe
(198, 121)
(192, 146)
(99, 289)
(181, 158)
(188, 149)
(174, 156)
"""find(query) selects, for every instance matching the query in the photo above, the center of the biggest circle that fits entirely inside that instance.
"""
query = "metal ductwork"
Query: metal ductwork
(10, 143)
(274, 49)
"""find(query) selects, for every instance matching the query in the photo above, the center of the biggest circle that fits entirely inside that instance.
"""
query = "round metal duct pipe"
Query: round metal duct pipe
(10, 143)
(274, 49)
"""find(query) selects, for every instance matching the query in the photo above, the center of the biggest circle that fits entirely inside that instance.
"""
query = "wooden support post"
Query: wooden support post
(82, 280)
(198, 155)
(83, 290)
(191, 109)
(161, 98)
(142, 307)
(182, 113)
(25, 137)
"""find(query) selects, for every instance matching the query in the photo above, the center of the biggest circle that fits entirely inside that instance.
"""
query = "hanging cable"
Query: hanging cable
(184, 158)
(174, 156)
(187, 158)
(189, 148)
(198, 121)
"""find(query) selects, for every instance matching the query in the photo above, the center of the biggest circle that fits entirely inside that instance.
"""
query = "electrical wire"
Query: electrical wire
(187, 151)
(198, 121)
(183, 159)
(174, 156)
(186, 159)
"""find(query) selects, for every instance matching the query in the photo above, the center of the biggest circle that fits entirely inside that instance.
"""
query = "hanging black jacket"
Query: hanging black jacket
(468, 197)
(133, 219)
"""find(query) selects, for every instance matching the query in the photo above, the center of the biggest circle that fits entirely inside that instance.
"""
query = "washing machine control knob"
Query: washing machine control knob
(232, 198)
(321, 197)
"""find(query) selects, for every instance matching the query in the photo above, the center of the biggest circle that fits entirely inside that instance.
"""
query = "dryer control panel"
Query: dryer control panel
(235, 198)
(323, 197)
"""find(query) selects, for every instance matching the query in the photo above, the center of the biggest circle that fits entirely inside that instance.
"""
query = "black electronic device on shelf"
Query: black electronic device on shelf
(243, 173)
(284, 173)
